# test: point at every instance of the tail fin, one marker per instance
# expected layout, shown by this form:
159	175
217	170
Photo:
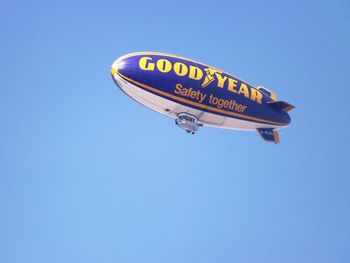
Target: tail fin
269	135
267	92
281	105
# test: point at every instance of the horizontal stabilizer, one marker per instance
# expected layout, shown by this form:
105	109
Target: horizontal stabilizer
269	135
281	105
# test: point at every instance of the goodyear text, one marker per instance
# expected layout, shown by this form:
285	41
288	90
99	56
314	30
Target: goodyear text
207	77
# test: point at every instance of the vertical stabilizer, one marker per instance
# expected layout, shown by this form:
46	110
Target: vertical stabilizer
269	135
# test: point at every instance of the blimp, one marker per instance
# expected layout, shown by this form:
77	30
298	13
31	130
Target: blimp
195	94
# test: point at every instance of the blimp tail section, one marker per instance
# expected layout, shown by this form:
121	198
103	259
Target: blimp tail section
269	135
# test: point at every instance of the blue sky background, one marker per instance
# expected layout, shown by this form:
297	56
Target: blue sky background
88	175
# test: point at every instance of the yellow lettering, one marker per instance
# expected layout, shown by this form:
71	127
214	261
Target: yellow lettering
163	65
232	84
180	69
221	80
256	95
144	65
244	89
195	73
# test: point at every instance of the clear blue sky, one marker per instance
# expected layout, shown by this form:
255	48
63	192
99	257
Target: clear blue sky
88	175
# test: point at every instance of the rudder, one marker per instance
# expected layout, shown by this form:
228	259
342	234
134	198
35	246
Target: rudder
269	135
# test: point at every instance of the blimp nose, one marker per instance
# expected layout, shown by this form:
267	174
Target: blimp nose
114	70
123	66
115	67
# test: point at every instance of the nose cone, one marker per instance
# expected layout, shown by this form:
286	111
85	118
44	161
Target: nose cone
117	65
114	68
119	69
124	66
